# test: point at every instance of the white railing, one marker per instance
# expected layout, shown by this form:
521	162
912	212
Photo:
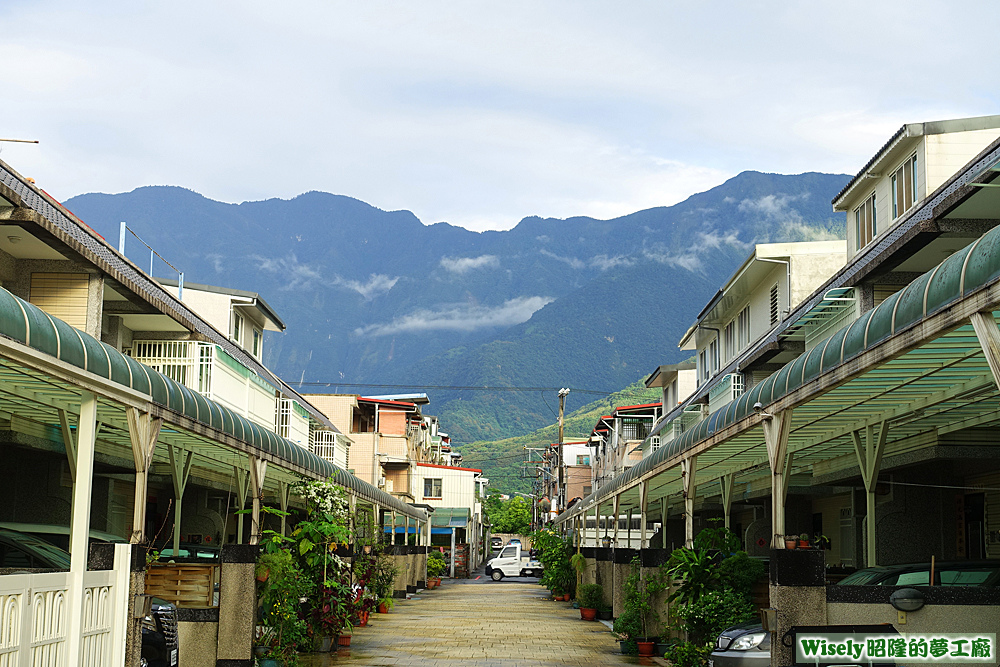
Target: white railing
35	617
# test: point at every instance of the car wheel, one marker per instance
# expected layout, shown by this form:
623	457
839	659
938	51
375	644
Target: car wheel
497	575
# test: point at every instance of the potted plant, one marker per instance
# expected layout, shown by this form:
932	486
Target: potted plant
821	541
435	568
590	597
640	618
804	541
791	541
279	606
604	612
385	604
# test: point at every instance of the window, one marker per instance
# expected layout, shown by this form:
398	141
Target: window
774	304
865	224
730	340
743	328
432	487
258	338
237	333
583	459
904	187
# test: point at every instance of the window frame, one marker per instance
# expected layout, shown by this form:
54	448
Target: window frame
257	342
434	482
908	180
865	226
237	332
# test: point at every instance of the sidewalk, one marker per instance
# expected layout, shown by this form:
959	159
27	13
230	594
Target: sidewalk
496	624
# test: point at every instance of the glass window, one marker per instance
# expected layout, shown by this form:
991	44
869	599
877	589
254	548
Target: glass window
583	460
237	332
432	487
258	338
865	223
508	552
774	304
904	187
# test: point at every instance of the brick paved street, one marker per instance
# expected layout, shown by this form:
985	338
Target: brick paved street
493	624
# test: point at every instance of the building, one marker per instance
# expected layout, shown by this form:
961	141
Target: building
91	437
618	440
879	433
454	495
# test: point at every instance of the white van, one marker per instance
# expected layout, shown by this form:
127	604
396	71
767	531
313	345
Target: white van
511	563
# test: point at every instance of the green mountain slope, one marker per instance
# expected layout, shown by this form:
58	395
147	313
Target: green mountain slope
501	460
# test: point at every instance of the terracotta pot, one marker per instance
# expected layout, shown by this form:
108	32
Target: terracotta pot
565	597
344	640
647	648
803	544
588	614
262	577
383	609
791	544
362	618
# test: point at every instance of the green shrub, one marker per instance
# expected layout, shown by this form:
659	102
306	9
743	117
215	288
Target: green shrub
590	596
436	564
688	654
740	572
627	628
712	613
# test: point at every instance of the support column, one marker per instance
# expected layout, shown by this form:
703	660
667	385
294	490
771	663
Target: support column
143	432
453	559
688	469
242	491
283	490
776	430
618	499
258	470
392	531
663	521
643	491
180	469
870	461
80	523
727	495
989	339
597	526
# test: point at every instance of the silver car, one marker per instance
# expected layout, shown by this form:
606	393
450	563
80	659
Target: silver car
745	645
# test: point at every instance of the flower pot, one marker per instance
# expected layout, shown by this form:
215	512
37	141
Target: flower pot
262	577
383	609
647	648
323	644
565	597
344	640
803	544
605	615
362	618
661	649
791	544
588	614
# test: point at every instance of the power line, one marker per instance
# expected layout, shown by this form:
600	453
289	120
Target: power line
438	386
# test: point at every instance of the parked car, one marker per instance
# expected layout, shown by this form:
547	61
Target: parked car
496	543
748	645
58	535
159	629
23	551
514	540
513	562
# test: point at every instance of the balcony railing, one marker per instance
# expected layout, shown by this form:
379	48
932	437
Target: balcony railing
636	428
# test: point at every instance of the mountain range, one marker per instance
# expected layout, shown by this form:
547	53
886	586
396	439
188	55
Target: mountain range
375	297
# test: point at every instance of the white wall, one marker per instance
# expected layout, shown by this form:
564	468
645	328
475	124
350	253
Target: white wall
457	486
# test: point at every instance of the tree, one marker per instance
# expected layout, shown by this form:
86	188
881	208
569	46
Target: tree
508	516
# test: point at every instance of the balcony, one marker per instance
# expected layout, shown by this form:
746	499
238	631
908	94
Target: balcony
728	389
209	370
635	428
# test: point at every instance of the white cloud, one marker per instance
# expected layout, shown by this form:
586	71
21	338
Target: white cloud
296	275
798	231
460	317
485	112
603	262
461	265
690	257
573	262
773	206
377	283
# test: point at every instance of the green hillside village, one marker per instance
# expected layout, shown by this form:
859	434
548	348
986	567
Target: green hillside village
754	427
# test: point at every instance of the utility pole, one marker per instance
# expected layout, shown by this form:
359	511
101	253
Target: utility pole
561	488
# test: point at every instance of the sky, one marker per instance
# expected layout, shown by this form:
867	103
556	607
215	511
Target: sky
475	113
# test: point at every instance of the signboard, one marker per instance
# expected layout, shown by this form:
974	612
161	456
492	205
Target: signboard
883	645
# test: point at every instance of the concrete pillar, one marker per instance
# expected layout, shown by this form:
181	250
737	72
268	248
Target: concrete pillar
80	523
258	469
237	599
870	461
242	491
689	468
618	498
143	433
776	429
453	559
643	492
727	495
283	490
798	592
180	469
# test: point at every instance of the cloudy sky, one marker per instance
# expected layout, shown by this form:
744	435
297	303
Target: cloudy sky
470	112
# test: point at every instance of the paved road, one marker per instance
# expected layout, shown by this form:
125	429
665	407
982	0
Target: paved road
494	624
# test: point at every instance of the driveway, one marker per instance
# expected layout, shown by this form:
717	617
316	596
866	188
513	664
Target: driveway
491	624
